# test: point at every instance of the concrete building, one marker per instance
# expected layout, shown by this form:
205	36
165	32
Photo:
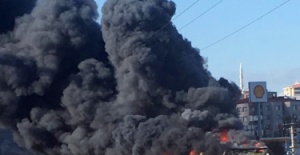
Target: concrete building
292	91
245	94
272	114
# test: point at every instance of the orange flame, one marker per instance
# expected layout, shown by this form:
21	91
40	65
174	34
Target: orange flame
258	144
223	136
193	152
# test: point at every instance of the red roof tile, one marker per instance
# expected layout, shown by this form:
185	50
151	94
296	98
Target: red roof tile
297	85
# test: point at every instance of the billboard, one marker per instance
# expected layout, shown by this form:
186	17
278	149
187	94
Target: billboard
258	92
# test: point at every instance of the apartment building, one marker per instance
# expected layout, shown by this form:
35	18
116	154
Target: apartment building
292	91
272	114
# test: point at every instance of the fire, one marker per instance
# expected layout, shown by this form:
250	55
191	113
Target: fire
223	136
193	152
258	144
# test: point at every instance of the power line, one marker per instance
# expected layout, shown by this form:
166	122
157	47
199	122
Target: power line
245	26
186	25
238	30
185	10
206	11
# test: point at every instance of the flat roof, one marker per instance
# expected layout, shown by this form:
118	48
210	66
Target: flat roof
273	99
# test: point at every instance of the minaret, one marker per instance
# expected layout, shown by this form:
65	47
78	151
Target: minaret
241	78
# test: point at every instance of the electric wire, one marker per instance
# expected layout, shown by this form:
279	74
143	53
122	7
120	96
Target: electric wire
206	11
180	14
245	26
240	29
189	23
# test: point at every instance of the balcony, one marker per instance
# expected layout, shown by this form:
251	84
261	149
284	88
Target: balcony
254	118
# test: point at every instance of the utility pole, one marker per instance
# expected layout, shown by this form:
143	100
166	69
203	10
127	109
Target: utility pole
259	121
292	125
293	146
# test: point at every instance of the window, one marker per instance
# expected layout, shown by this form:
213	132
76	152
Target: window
238	109
252	109
268	117
244	109
295	107
278	117
250	118
255	127
296	93
245	119
277	107
268	108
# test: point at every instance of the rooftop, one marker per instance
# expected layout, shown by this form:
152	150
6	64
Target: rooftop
296	85
273	99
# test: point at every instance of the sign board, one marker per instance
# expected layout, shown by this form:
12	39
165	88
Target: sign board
258	92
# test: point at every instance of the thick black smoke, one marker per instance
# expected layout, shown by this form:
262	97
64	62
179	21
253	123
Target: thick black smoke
10	10
65	91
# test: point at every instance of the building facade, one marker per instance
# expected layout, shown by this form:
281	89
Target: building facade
272	115
292	91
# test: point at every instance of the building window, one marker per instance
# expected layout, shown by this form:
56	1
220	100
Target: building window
252	109
268	126
244	109
295	107
238	109
278	117
268	108
277	107
268	117
245	119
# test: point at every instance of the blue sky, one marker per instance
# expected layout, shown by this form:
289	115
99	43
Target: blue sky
268	49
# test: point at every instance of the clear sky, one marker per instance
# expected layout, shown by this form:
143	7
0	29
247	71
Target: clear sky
268	49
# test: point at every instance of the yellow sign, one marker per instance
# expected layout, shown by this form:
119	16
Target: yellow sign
259	91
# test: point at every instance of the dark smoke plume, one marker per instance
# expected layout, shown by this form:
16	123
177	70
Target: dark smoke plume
66	91
12	9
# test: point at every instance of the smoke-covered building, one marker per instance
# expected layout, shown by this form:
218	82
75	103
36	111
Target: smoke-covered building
272	114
